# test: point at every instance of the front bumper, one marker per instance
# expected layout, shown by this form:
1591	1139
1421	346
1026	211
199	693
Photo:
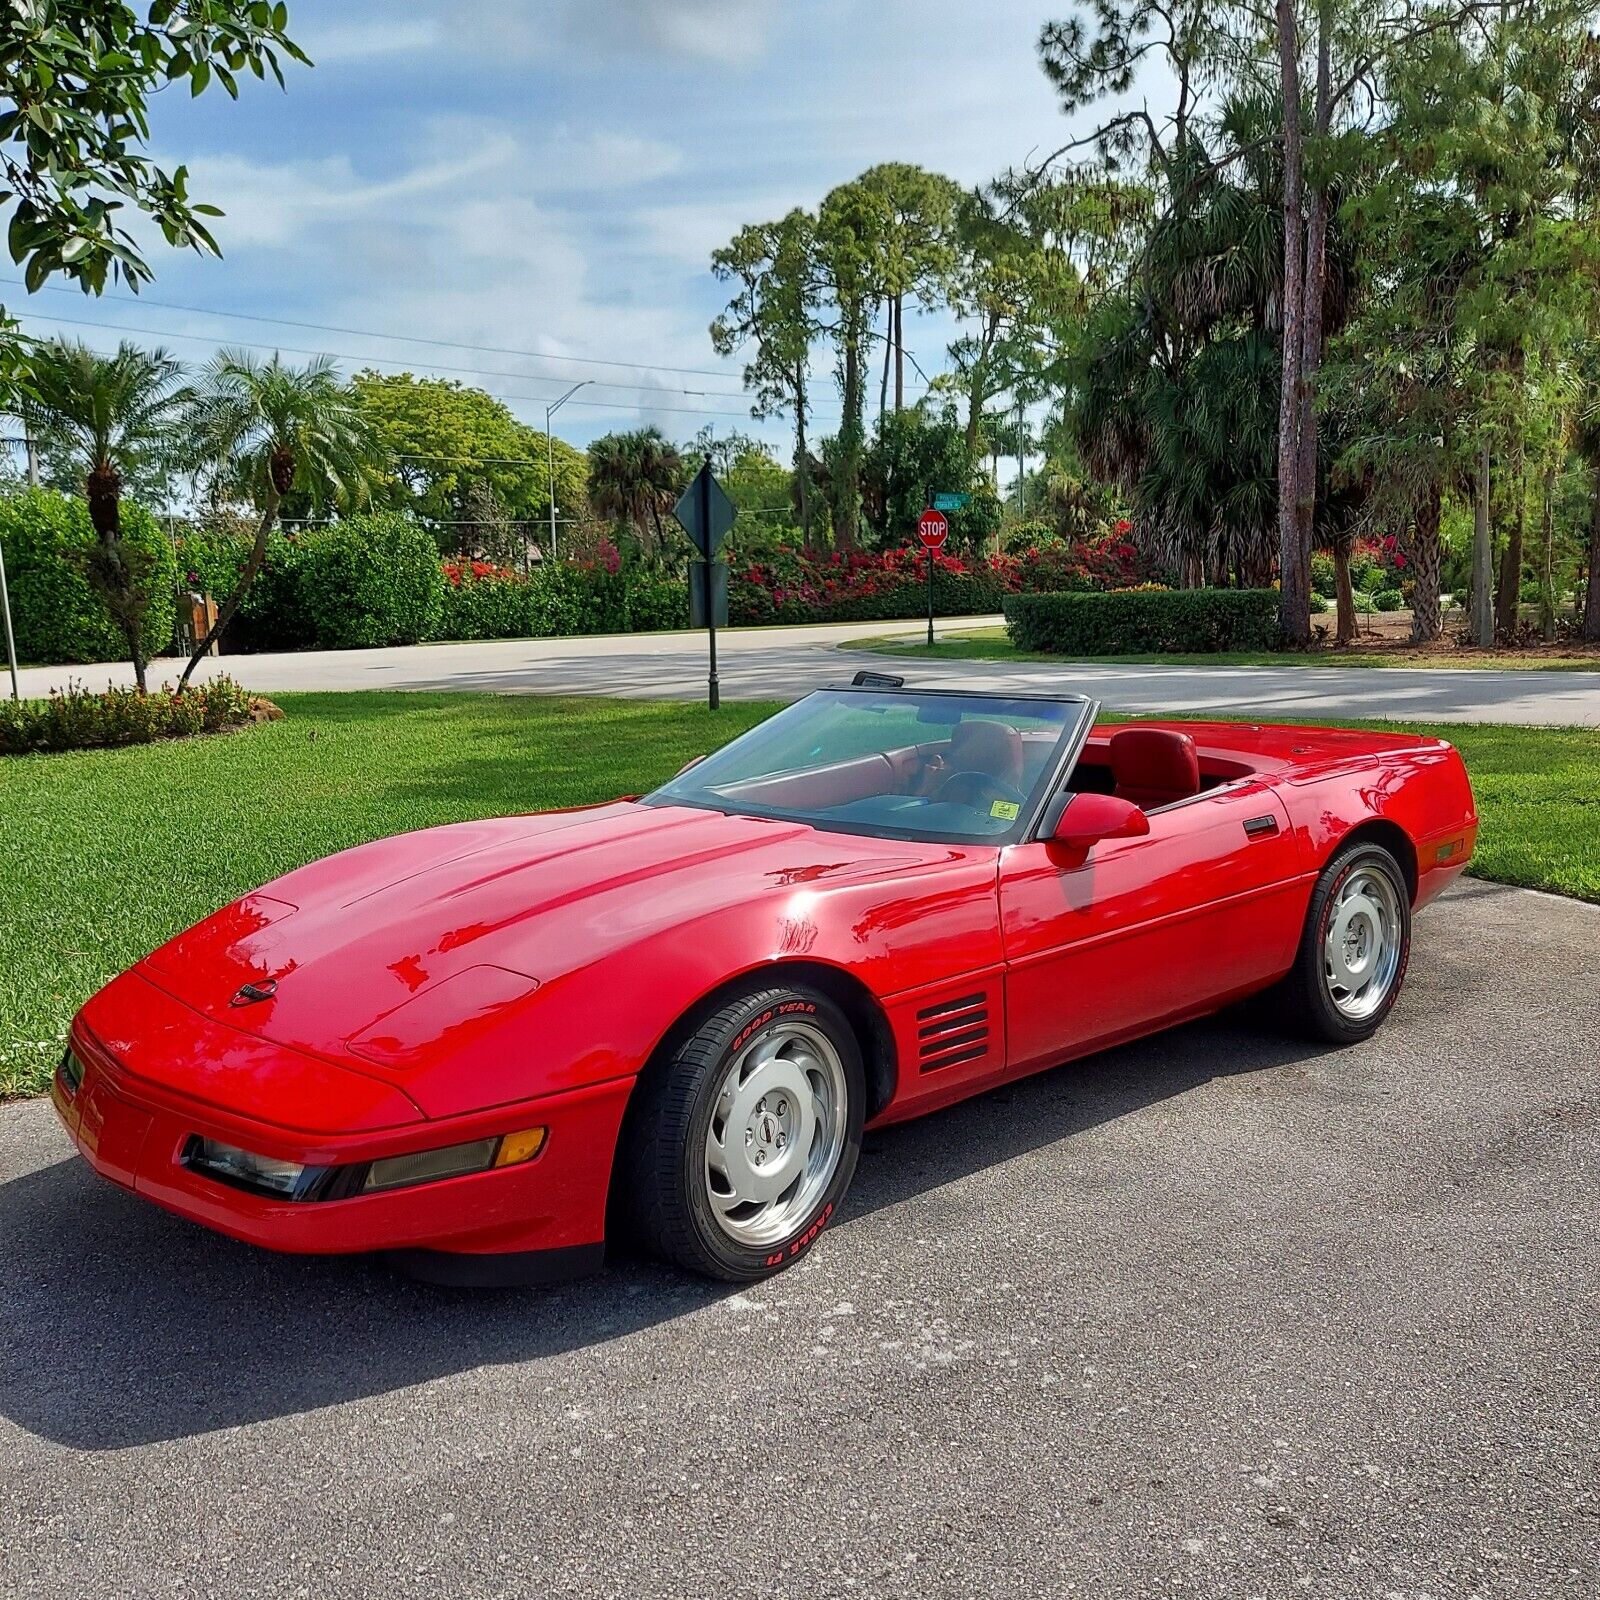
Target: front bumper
135	1132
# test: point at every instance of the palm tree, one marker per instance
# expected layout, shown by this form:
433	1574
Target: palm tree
266	429
635	478
113	415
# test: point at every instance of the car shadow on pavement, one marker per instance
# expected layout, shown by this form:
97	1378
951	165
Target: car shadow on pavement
124	1325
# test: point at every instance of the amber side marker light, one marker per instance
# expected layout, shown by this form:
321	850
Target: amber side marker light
456	1160
519	1147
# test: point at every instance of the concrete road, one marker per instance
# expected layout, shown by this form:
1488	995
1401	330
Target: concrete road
1216	1315
782	663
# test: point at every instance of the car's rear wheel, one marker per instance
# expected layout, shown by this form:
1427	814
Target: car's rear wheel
740	1145
1355	947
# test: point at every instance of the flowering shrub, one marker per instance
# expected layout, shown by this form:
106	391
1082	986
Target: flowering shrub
458	570
487	604
862	587
1375	566
78	719
1394	563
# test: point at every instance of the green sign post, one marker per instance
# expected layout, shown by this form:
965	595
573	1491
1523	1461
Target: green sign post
706	514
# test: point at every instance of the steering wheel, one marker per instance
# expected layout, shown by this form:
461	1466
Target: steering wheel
980	790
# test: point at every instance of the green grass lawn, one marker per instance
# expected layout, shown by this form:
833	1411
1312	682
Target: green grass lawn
991	644
108	853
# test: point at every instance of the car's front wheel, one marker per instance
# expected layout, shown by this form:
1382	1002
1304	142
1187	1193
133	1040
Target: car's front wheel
1355	947
739	1146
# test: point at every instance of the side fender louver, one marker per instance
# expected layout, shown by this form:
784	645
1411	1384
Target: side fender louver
953	1031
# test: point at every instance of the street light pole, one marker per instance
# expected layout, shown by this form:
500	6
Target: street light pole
11	643
550	452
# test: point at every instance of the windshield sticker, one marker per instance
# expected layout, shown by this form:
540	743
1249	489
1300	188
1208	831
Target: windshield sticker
1005	810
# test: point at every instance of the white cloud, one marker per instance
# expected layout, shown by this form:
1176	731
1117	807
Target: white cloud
605	161
360	41
482	247
730	33
688	231
267	203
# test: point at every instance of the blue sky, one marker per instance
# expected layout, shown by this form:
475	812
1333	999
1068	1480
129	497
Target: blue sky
551	176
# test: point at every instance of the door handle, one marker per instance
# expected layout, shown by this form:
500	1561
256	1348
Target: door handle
1260	827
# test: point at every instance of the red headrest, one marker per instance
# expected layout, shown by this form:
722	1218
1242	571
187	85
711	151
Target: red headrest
991	747
1154	766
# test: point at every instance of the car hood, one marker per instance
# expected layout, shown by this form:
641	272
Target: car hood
388	955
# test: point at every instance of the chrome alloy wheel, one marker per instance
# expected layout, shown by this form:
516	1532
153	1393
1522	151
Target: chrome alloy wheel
777	1132
1361	951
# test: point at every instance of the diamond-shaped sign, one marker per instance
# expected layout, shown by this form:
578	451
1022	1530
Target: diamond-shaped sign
705	512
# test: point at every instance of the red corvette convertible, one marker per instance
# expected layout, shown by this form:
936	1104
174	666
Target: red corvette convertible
491	1046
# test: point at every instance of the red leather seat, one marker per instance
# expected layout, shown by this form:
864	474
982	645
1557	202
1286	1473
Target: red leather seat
1154	766
993	748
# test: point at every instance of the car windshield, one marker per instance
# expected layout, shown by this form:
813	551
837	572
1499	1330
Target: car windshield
896	763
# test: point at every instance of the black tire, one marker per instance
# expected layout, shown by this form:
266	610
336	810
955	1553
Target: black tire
661	1192
1306	996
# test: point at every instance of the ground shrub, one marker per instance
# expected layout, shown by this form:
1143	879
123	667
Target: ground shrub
79	719
1322	574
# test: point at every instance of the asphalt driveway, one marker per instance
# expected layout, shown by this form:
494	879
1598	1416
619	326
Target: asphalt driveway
784	663
1216	1315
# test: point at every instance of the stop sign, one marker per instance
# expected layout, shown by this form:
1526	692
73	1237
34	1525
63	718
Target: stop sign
933	529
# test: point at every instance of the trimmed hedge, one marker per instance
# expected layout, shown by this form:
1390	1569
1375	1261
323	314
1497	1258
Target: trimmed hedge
366	580
58	617
371	579
1139	621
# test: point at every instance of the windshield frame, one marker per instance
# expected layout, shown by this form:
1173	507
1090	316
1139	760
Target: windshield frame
1069	746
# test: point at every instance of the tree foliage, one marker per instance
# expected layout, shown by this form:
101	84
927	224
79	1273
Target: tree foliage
457	458
266	429
76	81
635	479
775	312
913	457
